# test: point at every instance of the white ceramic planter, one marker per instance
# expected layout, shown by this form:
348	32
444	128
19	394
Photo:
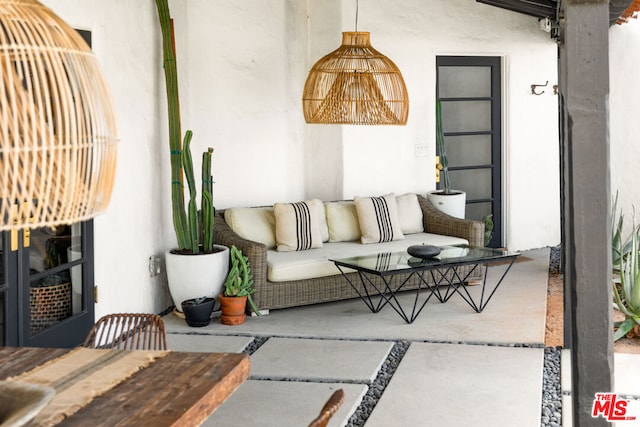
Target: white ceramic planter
452	204
193	276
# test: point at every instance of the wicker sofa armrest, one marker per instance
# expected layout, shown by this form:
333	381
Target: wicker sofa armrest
256	252
438	222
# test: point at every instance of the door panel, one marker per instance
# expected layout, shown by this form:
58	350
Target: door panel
468	150
465	82
466	116
60	312
476	182
469	90
47	282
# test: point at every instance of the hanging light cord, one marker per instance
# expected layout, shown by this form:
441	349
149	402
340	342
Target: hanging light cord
356	16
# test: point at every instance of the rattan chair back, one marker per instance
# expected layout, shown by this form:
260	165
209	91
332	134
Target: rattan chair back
128	331
329	408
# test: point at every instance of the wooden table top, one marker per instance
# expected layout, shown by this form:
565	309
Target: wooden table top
179	389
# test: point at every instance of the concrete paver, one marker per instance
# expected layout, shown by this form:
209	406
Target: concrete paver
283	404
462	385
309	359
207	343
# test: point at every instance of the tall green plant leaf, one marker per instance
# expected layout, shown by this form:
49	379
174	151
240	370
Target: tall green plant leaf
442	149
186	223
173	105
207	201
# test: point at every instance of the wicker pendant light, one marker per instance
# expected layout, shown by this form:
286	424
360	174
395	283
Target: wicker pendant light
355	84
57	127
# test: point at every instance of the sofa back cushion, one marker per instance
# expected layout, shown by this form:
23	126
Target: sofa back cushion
256	224
409	214
298	225
342	221
378	218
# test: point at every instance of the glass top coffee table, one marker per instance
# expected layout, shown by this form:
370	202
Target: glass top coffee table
447	277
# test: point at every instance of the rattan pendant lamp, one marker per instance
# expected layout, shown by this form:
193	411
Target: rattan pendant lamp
355	84
57	126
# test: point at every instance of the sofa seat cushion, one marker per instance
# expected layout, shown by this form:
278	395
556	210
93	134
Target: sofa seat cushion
285	266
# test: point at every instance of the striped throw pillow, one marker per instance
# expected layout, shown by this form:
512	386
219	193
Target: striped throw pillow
378	218
297	225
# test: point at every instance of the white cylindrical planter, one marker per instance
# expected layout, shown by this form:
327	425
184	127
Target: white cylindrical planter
194	276
452	204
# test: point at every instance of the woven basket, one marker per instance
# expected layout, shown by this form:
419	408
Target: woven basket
49	305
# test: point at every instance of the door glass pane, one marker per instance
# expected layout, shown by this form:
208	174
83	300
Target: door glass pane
476	182
55	291
464	82
468	150
477	211
466	116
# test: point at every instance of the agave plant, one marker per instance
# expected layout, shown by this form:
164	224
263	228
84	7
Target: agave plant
187	224
619	247
626	290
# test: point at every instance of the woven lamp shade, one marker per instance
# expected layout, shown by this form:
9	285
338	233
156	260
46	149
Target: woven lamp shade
57	127
355	84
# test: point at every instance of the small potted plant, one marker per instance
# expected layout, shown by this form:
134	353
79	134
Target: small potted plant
237	290
197	311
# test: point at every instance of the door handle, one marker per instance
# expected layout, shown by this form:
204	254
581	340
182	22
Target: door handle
26	232
14	231
438	168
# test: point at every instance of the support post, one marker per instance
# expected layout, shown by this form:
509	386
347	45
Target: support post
584	78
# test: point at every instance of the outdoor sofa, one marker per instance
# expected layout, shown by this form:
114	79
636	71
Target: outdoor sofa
288	275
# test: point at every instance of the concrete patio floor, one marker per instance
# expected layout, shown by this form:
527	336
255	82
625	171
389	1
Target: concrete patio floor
458	367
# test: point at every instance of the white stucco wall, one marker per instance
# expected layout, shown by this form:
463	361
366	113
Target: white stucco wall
624	103
125	38
242	66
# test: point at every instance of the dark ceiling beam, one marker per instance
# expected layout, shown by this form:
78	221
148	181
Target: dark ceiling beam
537	8
617	8
548	8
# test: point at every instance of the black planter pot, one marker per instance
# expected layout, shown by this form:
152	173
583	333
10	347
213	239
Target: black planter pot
197	311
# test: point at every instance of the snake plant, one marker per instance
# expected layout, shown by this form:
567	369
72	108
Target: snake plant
188	225
626	289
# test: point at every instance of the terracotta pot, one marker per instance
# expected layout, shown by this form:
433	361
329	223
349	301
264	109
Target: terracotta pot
233	310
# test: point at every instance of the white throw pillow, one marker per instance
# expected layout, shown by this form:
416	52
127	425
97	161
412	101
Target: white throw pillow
342	220
409	214
322	219
378	218
256	224
297	226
